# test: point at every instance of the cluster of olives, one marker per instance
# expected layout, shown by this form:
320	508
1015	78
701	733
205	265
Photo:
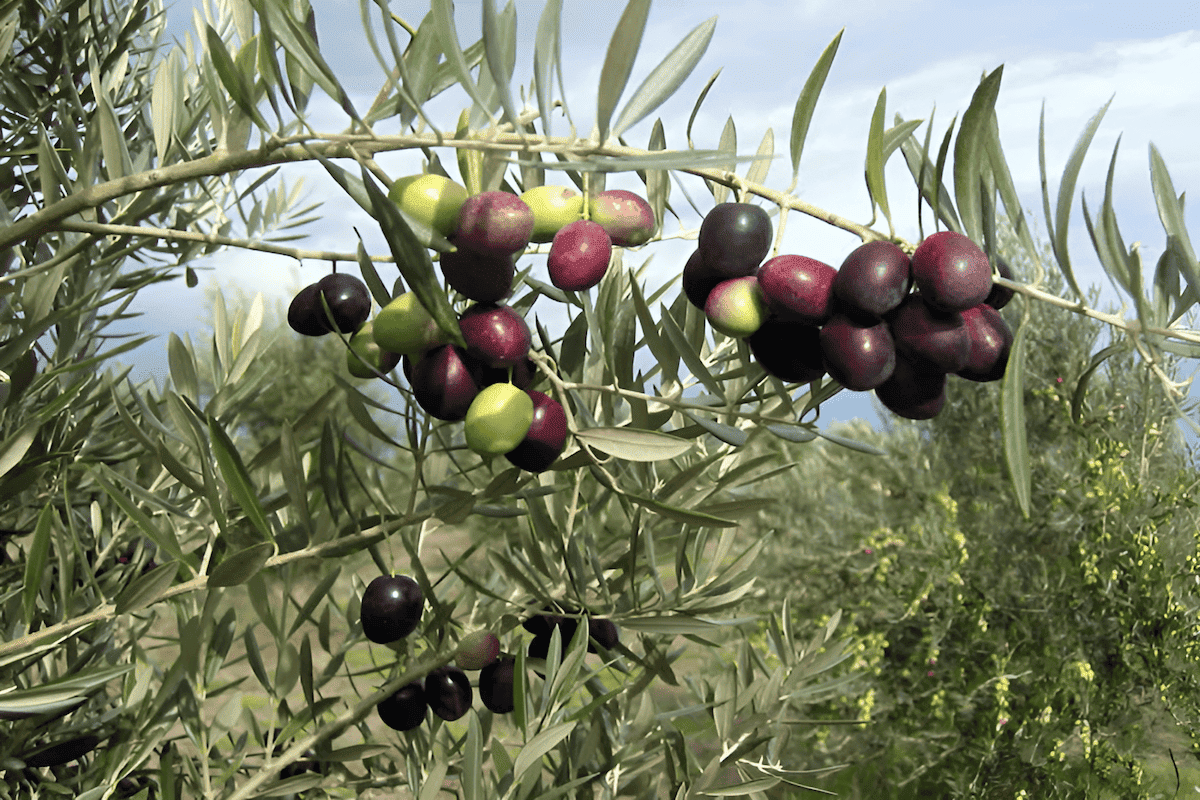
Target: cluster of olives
884	321
487	384
391	609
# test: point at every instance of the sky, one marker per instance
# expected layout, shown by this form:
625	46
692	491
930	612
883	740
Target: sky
1066	58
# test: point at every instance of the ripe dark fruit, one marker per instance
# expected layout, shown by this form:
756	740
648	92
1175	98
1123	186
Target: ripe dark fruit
579	256
305	314
448	692
791	351
62	752
698	280
798	288
494	224
482	278
628	218
391	608
546	437
915	390
874	278
496	685
734	238
443	383
604	633
539	647
991	340
523	374
859	354
495	335
923	333
405	709
951	272
348	299
476	650
999	296
736	307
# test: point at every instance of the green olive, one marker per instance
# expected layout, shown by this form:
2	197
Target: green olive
433	200
554	207
498	419
404	326
364	348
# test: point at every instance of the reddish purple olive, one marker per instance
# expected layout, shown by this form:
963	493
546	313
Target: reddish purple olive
579	256
405	709
524	373
859	354
923	333
951	272
391	608
874	278
348	299
496	685
304	314
991	340
494	224
628	218
444	383
496	336
546	438
734	238
448	692
798	288
482	278
791	351
914	391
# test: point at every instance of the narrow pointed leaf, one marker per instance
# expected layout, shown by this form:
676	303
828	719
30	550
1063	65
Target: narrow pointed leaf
631	444
665	79
1012	421
443	17
546	58
35	563
807	102
876	158
233	470
1066	194
970	154
541	744
618	62
237	568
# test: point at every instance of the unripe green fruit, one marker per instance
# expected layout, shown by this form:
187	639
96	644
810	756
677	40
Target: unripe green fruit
364	348
433	200
498	419
553	207
404	326
736	307
476	650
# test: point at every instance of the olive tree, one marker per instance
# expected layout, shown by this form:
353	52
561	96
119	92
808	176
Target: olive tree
182	613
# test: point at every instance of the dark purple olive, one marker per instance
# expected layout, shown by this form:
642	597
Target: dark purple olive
405	709
391	608
448	692
496	685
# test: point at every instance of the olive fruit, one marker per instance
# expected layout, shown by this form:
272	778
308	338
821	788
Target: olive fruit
495	223
482	278
791	351
698	280
915	390
365	357
626	217
924	333
443	383
432	200
999	296
859	353
951	272
602	633
734	238
579	256
61	752
391	608
798	288
496	685
476	650
404	326
448	692
405	709
547	435
736	307
874	278
496	335
348	300
991	340
498	419
553	207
